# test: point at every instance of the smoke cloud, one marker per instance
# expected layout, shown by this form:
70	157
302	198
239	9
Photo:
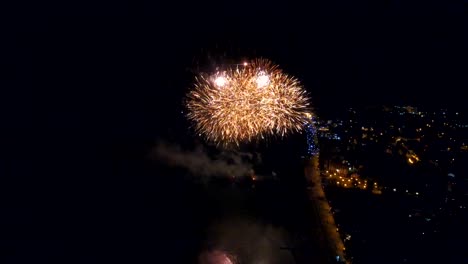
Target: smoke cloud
248	241
198	162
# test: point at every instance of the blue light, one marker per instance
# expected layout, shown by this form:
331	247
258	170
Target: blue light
311	134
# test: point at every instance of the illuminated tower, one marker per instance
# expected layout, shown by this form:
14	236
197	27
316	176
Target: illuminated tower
311	134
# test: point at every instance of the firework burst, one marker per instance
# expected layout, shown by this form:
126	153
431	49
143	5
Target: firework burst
244	103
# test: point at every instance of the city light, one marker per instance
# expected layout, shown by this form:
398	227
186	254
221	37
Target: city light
408	143
311	136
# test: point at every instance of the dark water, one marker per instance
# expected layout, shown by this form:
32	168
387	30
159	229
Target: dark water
111	202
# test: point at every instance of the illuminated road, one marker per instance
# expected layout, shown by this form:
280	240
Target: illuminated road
322	209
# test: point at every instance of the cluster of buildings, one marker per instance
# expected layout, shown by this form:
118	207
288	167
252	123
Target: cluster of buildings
438	138
401	153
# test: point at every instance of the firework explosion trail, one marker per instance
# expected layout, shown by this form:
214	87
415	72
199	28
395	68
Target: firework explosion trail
242	104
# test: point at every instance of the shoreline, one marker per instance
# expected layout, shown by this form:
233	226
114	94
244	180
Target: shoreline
322	208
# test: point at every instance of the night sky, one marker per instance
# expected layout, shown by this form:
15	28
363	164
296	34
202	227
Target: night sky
84	84
367	53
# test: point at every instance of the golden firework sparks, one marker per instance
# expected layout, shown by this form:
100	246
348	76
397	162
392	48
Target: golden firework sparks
242	104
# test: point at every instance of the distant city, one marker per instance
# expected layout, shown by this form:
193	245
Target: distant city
404	163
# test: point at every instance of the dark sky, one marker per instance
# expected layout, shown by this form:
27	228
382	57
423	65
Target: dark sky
360	53
102	70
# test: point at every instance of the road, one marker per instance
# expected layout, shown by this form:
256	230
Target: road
322	209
